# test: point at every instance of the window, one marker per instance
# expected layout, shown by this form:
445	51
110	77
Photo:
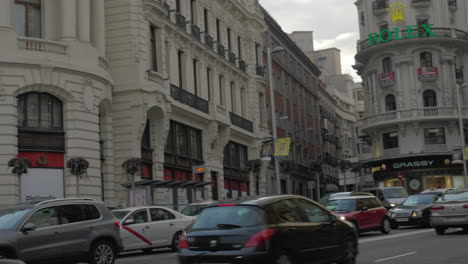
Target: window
422	21
387	64
229	39
426	59
257	53
193	11
147	153
284	212
184	141
390	103
313	213
77	213
235	155
160	215
218	30
242	101
429	98
363	203
390	140
221	90
180	61
233	97
363	19
28	18
139	217
195	77
375	203
239	47
208	82
207	23
39	111
365	148
178	7
385	35
261	104
46	217
153	49
434	136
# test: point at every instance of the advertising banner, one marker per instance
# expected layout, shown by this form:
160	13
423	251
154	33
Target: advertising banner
41	184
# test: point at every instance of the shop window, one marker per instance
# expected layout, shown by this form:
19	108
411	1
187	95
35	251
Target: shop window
387	64
28	18
429	98
390	140
235	156
426	59
184	141
434	136
390	103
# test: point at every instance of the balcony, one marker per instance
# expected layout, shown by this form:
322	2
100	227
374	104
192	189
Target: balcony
260	70
209	41
380	7
242	65
459	76
189	99
180	21
421	3
452	5
241	122
428	74
232	57
220	49
196	32
41	45
387	79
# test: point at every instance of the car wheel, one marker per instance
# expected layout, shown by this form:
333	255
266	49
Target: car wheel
283	258
102	252
350	254
440	230
175	241
385	227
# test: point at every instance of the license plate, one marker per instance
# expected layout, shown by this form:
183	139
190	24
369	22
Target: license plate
402	219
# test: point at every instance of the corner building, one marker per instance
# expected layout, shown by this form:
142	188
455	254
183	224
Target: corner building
410	85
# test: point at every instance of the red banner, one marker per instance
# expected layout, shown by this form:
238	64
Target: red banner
147	172
244	186
44	159
168	176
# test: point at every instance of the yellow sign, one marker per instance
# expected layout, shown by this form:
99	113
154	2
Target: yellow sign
282	146
397	12
465	153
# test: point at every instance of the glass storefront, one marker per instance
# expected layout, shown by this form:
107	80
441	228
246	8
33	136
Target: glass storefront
427	182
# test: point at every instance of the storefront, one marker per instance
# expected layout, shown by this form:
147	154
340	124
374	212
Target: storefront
418	173
236	179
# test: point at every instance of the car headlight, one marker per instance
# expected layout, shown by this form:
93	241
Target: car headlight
392	205
416	213
343	218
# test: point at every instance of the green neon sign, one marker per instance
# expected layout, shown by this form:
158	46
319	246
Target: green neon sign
414	31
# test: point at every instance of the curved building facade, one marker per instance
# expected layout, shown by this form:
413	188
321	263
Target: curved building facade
411	58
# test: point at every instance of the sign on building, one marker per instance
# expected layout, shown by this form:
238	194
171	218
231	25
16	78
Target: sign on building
42	184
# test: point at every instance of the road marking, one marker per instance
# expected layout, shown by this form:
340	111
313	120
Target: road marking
399	256
372	239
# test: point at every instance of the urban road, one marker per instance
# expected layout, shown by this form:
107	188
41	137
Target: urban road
403	246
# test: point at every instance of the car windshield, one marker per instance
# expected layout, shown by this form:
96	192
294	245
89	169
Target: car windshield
227	217
342	205
395	193
10	217
193	210
120	214
419	200
455	196
336	195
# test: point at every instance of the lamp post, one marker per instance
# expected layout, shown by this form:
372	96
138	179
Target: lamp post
462	134
273	115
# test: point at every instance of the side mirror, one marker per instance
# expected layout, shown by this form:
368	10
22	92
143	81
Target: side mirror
364	209
129	222
28	227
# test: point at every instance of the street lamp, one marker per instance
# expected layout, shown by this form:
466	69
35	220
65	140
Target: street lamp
462	134
273	115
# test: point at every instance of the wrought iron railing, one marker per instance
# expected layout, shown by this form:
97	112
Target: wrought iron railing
189	99
241	122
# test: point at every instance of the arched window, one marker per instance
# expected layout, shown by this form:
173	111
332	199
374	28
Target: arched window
39	111
387	64
426	59
390	103
429	98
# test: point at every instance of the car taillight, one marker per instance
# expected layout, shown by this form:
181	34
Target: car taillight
183	243
117	224
465	206
437	207
260	238
226	205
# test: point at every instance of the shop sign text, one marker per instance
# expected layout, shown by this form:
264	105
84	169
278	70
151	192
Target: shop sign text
414	31
423	163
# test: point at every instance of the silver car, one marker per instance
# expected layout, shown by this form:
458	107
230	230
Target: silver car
64	230
450	211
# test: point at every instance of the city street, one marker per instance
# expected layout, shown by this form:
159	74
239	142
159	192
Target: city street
405	246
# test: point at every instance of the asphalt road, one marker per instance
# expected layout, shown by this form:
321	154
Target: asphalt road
404	246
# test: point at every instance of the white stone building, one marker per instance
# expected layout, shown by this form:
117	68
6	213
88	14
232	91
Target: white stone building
411	59
55	98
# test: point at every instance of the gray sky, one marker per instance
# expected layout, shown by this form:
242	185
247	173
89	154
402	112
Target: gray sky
334	23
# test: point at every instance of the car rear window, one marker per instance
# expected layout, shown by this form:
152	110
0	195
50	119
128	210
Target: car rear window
230	217
342	205
120	214
455	196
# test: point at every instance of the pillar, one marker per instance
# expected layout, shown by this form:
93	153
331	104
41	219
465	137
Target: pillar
98	23
6	11
84	20
68	8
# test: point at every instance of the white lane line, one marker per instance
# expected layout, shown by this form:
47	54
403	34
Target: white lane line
372	239
399	256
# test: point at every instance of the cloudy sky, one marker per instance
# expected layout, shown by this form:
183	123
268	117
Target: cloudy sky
334	23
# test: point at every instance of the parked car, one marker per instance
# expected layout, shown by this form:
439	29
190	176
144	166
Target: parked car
265	230
63	230
364	212
146	228
194	209
415	210
438	191
450	211
389	196
329	196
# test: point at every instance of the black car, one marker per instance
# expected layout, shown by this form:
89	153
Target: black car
268	230
415	210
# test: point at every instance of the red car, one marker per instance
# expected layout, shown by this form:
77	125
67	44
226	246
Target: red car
365	212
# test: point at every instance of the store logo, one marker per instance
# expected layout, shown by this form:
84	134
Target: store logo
397	12
423	163
42	160
414	31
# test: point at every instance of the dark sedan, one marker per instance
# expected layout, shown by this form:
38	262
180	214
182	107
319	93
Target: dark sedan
415	210
269	230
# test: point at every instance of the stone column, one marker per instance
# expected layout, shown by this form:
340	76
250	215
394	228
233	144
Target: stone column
84	20
68	8
6	17
98	26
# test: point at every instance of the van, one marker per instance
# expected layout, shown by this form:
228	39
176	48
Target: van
389	196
